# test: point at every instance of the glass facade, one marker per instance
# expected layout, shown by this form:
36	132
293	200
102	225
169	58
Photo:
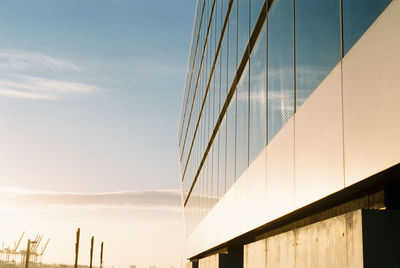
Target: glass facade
358	15
280	65
258	96
317	43
226	123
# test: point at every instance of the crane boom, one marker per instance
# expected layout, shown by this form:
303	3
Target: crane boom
19	241
45	246
37	244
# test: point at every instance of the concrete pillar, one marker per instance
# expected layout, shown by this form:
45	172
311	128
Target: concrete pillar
362	238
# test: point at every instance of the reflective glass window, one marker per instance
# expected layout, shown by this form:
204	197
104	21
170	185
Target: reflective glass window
317	43
280	65
255	9
230	143
202	192
243	26
214	99
258	96
224	5
224	68
242	129
218	21
217	90
209	180
222	158
208	118
215	170
232	44
358	15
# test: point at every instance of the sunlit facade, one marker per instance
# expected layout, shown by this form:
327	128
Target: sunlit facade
286	102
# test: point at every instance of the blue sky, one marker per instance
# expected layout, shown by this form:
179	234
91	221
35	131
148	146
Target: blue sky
90	93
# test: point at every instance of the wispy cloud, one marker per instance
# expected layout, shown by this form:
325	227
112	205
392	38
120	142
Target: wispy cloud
19	76
18	60
30	87
14	198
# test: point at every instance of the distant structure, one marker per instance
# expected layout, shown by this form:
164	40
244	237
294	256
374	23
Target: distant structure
289	143
33	254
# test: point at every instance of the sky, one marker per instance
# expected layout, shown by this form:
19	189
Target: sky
90	95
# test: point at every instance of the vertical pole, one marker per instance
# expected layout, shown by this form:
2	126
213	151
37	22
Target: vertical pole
78	233
91	252
28	248
101	255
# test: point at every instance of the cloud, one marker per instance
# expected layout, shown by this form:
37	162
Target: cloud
25	75
31	87
18	60
14	198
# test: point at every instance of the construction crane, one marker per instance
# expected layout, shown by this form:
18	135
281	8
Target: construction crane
35	247
43	249
14	250
19	241
11	255
32	249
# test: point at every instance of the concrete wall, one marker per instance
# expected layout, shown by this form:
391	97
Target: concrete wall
335	242
347	130
362	238
209	262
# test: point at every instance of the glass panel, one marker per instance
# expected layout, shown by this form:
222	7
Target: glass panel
232	44
208	119
202	193
217	18
358	15
255	10
224	68
224	5
209	181
258	97
230	143
211	54
280	65
222	159
317	44
242	129
215	171
243	26
217	88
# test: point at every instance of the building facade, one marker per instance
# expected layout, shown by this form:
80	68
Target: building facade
290	118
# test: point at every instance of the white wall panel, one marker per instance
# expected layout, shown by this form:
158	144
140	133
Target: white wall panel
280	172
371	91
319	142
240	202
256	191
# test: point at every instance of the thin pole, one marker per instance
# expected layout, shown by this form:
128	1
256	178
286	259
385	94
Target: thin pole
78	233
28	248
91	252
101	255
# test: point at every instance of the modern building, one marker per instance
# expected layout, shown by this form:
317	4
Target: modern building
289	138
